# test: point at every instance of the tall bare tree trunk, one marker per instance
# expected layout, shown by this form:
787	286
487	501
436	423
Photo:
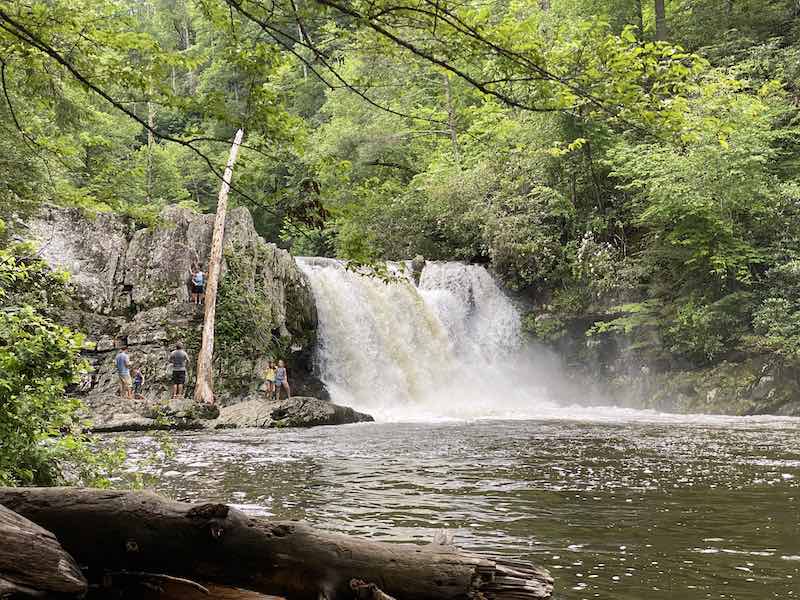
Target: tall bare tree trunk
301	33
451	118
639	18
151	140
661	21
204	388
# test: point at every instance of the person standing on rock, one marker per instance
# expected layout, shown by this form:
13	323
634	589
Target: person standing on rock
198	285
123	365
178	359
138	383
269	375
281	381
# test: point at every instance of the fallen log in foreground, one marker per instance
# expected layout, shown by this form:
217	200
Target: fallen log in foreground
32	563
141	532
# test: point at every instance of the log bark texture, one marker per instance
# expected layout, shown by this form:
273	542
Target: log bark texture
204	386
33	563
135	531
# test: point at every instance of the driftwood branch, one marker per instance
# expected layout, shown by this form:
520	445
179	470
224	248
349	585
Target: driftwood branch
133	531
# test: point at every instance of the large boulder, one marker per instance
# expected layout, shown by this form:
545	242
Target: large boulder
297	411
110	413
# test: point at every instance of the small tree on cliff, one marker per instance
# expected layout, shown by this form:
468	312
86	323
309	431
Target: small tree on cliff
204	388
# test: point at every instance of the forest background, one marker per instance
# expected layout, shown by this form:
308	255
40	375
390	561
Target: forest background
626	166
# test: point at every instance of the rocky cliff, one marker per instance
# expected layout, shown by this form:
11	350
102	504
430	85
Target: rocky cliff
131	286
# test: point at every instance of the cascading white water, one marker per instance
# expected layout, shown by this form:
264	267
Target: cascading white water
450	348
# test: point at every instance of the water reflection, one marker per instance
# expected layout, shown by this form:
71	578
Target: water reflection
629	511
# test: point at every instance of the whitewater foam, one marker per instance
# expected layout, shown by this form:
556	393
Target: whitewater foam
450	348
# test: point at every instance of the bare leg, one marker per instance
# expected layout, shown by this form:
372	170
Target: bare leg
174	390
288	390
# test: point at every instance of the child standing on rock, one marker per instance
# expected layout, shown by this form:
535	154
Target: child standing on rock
138	383
281	381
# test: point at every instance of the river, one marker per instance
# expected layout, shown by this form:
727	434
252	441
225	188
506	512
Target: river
620	505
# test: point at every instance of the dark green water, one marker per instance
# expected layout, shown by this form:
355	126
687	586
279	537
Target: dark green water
629	507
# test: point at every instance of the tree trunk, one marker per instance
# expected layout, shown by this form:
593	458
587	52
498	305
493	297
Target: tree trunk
140	532
639	18
661	21
151	140
204	386
544	4
33	563
451	119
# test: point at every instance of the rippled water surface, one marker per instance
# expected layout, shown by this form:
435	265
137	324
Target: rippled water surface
643	509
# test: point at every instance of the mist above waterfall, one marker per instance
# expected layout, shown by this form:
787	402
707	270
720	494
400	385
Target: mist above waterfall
450	348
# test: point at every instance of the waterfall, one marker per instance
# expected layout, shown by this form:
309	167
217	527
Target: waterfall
451	347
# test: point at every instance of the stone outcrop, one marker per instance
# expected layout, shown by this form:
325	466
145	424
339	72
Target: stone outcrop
108	413
293	412
131	286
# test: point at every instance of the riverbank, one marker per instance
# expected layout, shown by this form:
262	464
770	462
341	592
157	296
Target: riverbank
109	414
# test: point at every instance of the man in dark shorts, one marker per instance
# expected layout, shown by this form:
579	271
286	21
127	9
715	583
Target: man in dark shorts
178	359
198	286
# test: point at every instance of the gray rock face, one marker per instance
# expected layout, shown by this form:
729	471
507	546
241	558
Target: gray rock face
294	412
133	287
93	249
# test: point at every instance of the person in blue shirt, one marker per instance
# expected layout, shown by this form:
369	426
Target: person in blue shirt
198	285
123	366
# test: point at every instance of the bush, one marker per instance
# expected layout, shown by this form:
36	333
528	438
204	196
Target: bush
40	438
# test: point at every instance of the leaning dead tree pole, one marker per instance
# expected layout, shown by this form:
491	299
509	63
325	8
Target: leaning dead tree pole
204	388
109	531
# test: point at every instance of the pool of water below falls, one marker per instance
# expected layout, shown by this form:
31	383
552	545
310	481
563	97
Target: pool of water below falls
642	508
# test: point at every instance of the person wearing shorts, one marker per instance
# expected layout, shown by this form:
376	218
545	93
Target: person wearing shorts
123	366
269	376
178	359
198	286
281	381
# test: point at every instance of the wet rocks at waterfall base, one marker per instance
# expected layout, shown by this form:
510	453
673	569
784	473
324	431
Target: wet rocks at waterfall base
114	414
293	412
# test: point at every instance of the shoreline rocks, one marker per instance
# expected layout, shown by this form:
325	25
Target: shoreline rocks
111	414
298	411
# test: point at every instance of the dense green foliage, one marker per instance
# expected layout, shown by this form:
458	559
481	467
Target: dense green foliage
40	432
624	184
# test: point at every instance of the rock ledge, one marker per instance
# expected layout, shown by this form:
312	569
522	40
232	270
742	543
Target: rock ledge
299	411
